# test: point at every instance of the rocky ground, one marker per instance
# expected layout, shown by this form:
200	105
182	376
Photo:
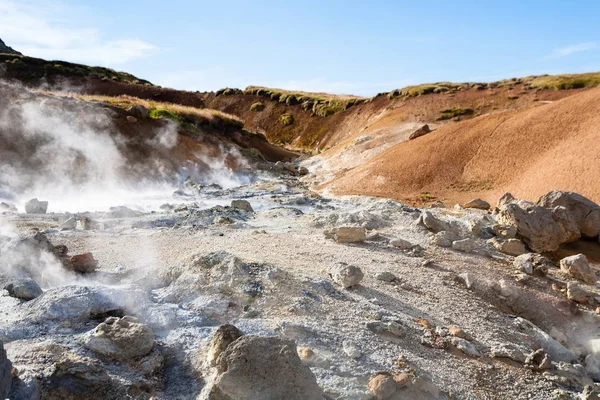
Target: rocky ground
284	293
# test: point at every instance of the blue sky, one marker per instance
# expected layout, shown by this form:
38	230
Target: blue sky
335	46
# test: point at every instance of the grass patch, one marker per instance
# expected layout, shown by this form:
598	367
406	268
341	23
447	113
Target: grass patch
455	113
565	82
228	92
30	69
258	106
182	114
286	119
320	104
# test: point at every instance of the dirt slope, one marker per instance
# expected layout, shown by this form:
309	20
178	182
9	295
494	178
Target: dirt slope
526	152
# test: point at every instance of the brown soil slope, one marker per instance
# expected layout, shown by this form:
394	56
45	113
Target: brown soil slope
526	152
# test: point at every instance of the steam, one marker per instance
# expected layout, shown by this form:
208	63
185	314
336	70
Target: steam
71	154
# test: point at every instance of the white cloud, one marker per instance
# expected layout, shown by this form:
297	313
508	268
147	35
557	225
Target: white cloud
36	30
576	48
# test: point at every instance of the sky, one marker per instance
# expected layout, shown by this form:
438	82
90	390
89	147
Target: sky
350	47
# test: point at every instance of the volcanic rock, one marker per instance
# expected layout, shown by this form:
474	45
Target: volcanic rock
577	266
512	247
543	229
34	206
533	264
262	368
585	211
424	130
579	294
222	338
242	205
120	338
347	234
465	245
5	373
401	244
26	289
345	275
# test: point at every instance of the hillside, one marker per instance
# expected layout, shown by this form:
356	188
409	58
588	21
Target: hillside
6	49
527	152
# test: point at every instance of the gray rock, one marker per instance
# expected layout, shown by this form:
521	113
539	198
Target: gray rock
538	360
390	328
139	111
262	368
541	228
445	238
578	267
34	206
123	212
7	207
464	245
505	231
433	223
345	275
585	211
302	171
477	203
5	373
424	130
401	244
221	339
385	276
242	205
26	289
120	338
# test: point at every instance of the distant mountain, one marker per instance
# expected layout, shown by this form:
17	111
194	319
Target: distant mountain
7	50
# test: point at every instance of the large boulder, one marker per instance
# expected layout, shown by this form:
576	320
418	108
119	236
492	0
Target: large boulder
542	229
120	338
34	206
5	373
262	368
347	234
243	205
585	212
577	266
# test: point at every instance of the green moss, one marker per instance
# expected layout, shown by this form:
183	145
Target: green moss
258	106
158	113
286	119
456	112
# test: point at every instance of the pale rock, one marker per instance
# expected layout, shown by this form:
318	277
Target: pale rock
34	206
345	275
392	328
505	231
351	350
68	224
262	368
221	339
465	245
5	373
347	234
385	276
542	229
551	346
578	267
512	247
383	386
120	338
585	211
445	238
433	223
532	264
592	366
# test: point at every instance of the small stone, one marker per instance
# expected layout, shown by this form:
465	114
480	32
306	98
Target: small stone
466	347
391	328
351	350
34	206
385	276
402	380
401	244
345	275
383	386
242	205
464	245
444	238
477	203
433	223
424	323
538	360
532	264
83	263
25	289
305	353
578	267
302	171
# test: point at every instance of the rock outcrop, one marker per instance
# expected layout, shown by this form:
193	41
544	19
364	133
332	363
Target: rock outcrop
585	212
6	49
34	206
